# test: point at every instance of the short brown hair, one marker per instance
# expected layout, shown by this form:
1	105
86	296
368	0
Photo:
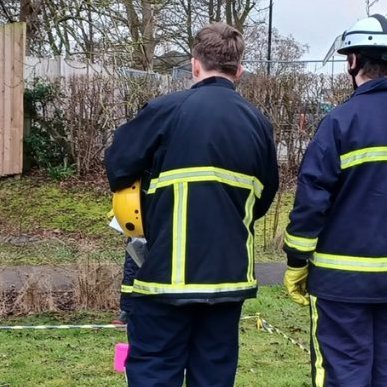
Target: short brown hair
371	62
220	47
374	69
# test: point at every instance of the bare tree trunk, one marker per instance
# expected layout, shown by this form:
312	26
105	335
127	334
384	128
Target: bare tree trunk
189	26
28	14
218	16
90	39
211	11
240	13
148	38
215	10
229	12
142	33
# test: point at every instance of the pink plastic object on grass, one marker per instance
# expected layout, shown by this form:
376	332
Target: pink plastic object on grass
121	353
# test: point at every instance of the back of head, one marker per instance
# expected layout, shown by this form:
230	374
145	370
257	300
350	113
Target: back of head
219	47
367	39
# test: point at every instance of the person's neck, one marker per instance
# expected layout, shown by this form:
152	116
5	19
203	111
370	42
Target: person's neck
361	79
209	74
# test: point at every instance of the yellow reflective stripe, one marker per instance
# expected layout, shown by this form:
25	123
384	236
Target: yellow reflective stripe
198	174
180	178
320	371
299	243
126	289
350	263
160	288
179	233
250	237
365	155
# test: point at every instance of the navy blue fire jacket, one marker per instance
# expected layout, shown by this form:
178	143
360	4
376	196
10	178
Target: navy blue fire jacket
214	171
130	273
339	220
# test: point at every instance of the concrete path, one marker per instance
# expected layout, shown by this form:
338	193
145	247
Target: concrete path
54	277
270	273
63	277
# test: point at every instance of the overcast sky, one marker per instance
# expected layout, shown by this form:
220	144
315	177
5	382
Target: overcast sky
318	22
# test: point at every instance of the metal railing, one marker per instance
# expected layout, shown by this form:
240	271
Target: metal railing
277	67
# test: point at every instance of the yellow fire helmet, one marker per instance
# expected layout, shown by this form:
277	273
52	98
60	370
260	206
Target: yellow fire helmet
127	210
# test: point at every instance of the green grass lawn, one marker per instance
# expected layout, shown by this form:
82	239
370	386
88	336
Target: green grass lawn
32	204
47	222
84	358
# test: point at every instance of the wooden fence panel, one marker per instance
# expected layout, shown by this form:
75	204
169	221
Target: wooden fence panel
12	52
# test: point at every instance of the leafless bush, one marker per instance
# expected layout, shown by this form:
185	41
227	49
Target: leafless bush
3	303
95	107
340	89
79	115
91	286
96	286
35	296
295	103
291	101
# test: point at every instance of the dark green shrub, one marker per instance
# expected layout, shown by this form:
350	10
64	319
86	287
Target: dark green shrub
45	144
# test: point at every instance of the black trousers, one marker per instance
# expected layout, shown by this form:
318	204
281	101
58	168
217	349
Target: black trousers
349	344
198	341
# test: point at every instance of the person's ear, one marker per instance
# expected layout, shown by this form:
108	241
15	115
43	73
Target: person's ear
196	68
240	71
352	61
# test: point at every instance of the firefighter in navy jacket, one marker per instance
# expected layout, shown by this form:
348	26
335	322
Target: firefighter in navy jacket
214	172
336	241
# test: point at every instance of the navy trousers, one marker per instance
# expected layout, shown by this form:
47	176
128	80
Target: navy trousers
198	341
349	344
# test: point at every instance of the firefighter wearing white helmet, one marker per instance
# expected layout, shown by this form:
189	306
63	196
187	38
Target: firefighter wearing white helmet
365	42
336	241
368	34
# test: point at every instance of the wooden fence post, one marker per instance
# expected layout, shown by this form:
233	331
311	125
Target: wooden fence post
12	53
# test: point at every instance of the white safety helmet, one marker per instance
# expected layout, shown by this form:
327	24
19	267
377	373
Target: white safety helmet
367	36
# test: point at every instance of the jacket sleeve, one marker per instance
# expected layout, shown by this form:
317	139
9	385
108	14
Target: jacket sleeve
269	176
130	270
133	148
317	181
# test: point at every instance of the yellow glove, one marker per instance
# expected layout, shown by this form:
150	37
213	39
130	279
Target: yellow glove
295	283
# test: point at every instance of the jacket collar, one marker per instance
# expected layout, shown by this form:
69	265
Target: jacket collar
375	85
214	81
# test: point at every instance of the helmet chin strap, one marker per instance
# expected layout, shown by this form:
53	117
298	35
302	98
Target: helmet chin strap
353	74
355	70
